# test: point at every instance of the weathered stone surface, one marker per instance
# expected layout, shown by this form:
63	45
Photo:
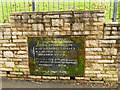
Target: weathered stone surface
104	75
93	49
25	17
20	40
8	54
93	57
7	33
22	52
92	72
64	78
110	51
57	22
10	44
34	26
30	21
9	64
97	67
78	26
40	27
91	43
1	35
107	41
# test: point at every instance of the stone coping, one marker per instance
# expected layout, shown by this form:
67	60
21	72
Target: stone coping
112	23
57	12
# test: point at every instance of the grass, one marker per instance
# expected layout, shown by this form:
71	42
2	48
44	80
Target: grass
22	6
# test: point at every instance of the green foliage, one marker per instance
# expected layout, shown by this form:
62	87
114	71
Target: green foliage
100	4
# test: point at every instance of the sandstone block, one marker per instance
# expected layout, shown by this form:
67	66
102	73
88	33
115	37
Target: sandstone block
92	43
105	61
104	75
92	72
16	33
20	40
97	67
6	69
22	52
64	78
10	44
93	49
7	33
100	14
107	41
8	54
9	64
30	21
48	77
109	51
1	35
57	22
93	57
78	26
56	33
40	27
107	28
25	17
7	37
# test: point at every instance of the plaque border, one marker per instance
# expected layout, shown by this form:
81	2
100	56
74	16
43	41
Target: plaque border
84	36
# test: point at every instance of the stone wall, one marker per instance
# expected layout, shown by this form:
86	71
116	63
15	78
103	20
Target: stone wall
102	41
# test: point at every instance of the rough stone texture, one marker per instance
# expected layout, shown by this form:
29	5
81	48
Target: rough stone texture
101	41
57	22
9	64
8	54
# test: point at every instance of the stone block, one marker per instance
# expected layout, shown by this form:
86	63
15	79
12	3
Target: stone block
8	54
19	40
105	61
25	17
78	26
92	43
1	35
21	66
22	52
10	44
9	64
16	33
16	73
110	51
64	78
7	37
57	22
7	33
93	57
97	66
101	19
34	26
107	41
114	28
92	72
30	21
93	49
104	75
56	33
49	77
100	14
6	69
40	27
107	28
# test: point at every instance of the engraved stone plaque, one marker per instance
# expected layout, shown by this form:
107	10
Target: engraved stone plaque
58	55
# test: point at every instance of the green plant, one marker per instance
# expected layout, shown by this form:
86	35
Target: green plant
100	4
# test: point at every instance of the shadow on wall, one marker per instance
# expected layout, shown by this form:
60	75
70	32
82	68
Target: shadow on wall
119	10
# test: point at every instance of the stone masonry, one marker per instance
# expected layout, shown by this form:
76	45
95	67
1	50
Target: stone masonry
101	50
